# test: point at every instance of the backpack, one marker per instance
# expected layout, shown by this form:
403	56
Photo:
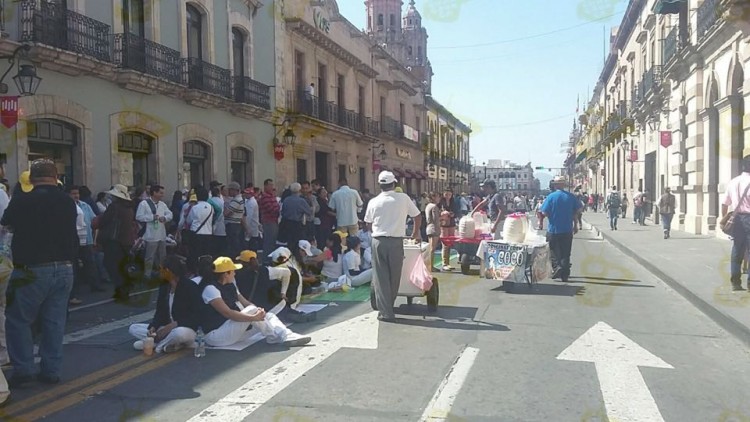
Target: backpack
614	201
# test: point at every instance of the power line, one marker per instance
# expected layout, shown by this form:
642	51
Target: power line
509	55
536	122
528	37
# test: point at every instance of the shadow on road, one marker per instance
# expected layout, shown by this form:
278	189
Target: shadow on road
613	284
446	317
468	325
541	289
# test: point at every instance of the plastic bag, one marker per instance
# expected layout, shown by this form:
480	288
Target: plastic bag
420	276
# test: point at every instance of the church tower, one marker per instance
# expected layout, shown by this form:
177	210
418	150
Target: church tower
415	46
384	24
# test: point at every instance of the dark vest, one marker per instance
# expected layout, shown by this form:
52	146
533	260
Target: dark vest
212	319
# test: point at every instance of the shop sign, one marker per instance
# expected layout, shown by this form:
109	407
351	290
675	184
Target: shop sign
403	153
321	22
633	155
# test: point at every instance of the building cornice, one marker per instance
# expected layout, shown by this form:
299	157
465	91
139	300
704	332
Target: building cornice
310	33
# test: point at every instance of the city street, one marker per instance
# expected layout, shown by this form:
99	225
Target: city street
487	355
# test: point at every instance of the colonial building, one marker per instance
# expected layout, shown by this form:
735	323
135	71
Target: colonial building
353	107
509	177
671	106
134	91
447	144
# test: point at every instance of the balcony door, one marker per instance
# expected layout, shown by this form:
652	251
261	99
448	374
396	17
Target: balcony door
53	17
194	33
238	62
323	91
134	18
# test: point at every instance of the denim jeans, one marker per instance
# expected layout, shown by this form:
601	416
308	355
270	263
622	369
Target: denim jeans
614	213
740	241
666	222
560	245
38	292
637	214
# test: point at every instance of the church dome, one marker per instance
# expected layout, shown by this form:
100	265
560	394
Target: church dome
412	17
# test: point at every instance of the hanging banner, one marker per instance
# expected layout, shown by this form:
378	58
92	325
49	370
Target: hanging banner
375	165
278	152
666	138
633	155
9	111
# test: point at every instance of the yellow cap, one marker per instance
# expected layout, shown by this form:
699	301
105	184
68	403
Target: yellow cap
246	256
398	189
223	264
193	198
25	181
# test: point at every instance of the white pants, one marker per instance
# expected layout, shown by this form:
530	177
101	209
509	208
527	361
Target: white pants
155	253
233	331
179	335
362	278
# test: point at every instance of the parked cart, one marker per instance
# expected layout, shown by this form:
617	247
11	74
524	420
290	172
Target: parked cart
412	255
466	249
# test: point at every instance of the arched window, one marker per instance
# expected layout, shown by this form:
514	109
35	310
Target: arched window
238	51
142	162
58	140
194	32
242	166
196	163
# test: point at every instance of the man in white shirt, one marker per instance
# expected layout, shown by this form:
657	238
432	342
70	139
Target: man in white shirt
6	269
252	220
387	214
154	214
200	221
738	199
346	202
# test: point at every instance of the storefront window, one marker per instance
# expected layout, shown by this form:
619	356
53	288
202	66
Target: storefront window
242	166
195	166
137	164
55	140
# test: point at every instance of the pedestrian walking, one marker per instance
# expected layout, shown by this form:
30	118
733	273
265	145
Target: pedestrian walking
44	246
387	213
624	205
738	201
562	209
613	204
345	202
666	209
637	207
84	267
116	236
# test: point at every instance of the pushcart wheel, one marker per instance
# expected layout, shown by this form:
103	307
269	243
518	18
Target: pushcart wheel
373	303
433	296
465	261
409	300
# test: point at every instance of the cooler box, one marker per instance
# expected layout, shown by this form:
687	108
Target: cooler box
413	253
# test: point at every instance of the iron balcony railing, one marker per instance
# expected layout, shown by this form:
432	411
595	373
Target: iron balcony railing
670	46
708	15
372	127
392	127
329	112
2	16
351	120
250	91
137	53
54	25
208	77
650	80
303	103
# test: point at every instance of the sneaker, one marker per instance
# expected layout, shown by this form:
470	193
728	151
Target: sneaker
737	287
19	380
138	345
172	347
447	268
294	339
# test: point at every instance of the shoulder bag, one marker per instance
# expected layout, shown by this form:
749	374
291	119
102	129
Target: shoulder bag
727	222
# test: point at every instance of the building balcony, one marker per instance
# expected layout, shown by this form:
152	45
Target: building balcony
708	15
136	53
207	77
54	25
392	127
250	91
311	106
650	82
372	127
670	46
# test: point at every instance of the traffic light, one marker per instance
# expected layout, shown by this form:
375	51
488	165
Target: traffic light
539	168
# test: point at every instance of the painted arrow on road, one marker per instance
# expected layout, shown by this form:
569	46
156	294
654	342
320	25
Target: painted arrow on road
357	333
617	358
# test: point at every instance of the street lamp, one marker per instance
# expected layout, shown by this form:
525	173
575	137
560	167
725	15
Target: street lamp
289	136
26	79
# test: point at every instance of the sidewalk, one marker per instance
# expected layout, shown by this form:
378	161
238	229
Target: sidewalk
696	266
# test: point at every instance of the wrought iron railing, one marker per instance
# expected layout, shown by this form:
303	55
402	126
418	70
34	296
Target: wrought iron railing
351	120
372	127
670	46
54	25
208	77
392	127
651	79
250	91
137	53
303	103
708	15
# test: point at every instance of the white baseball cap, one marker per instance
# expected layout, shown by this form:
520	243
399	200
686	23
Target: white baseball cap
306	246
386	178
280	253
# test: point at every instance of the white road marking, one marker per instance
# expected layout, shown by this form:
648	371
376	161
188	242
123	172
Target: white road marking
617	358
442	402
360	332
106	327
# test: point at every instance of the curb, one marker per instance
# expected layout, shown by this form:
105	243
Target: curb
728	323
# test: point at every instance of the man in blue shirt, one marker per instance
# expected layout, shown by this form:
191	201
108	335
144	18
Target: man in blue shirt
561	209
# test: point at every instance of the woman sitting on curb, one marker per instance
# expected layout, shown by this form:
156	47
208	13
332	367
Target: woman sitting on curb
177	309
228	315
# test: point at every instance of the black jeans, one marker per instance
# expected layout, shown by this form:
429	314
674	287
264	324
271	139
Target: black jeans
85	271
114	261
560	245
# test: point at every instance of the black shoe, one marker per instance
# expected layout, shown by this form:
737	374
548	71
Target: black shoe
737	287
121	295
17	381
556	274
385	319
48	379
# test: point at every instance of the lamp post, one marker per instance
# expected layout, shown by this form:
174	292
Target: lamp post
25	79
376	166
626	147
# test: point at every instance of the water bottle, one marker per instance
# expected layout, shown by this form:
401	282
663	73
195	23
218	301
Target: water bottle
200	344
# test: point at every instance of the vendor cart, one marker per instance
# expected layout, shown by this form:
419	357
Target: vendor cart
412	255
466	249
515	263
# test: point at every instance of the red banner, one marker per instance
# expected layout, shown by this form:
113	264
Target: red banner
375	165
9	111
666	138
278	152
633	155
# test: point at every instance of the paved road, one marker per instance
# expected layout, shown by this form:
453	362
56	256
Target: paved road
514	375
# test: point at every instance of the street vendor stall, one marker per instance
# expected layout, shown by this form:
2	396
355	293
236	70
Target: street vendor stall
416	276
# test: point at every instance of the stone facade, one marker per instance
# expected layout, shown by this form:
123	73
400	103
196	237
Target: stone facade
126	111
671	106
448	146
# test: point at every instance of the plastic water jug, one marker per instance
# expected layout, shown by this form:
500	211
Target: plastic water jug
515	227
466	227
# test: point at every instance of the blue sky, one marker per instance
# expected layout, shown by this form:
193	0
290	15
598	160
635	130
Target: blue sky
504	88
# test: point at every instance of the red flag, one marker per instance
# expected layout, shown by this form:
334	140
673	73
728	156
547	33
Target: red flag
666	138
9	111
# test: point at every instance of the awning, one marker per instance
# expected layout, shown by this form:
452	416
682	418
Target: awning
421	175
581	156
398	172
668	7
411	174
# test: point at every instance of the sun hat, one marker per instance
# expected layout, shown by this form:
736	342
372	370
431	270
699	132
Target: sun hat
559	179
246	256
25	181
223	264
120	191
233	186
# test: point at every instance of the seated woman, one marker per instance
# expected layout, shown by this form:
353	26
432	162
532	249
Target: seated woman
260	284
228	314
353	263
177	308
332	259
